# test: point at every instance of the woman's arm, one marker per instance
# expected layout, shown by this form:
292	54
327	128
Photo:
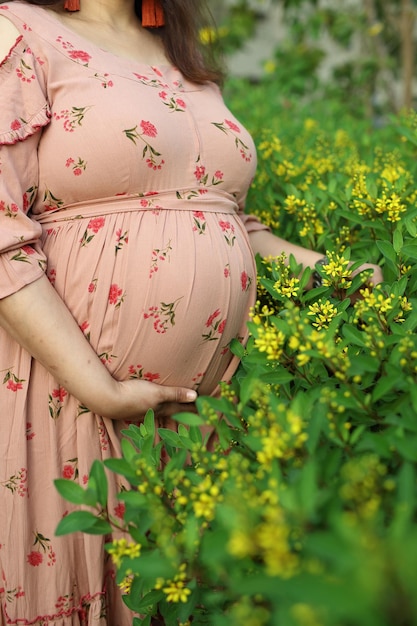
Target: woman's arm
38	319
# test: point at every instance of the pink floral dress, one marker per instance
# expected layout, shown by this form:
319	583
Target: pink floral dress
123	182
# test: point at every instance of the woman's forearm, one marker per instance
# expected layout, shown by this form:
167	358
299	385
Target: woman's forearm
266	244
38	319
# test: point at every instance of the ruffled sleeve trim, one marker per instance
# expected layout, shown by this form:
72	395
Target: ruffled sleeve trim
23	101
20	130
16	43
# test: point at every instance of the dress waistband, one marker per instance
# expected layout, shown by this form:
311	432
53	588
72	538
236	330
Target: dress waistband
207	201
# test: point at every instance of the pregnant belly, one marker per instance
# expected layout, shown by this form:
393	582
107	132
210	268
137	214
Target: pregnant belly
159	295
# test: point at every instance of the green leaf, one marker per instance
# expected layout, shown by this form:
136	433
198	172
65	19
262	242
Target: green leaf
353	335
236	348
387	250
171	437
69	490
128	450
76	521
101	486
409	250
191	419
150	599
398	240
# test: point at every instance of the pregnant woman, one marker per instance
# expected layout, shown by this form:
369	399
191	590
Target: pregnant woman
126	267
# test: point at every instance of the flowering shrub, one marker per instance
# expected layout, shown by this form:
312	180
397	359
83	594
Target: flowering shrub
304	514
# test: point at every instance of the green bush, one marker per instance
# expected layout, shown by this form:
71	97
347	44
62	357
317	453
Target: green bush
304	514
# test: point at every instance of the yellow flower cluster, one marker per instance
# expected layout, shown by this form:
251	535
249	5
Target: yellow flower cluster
121	548
270	340
391	206
337	273
283	438
247	611
364	479
375	306
175	589
205	497
323	312
269	147
270	541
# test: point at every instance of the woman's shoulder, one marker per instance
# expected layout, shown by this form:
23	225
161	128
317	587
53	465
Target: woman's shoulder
9	35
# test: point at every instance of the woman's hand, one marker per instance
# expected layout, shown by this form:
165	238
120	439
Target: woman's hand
373	280
376	277
37	318
133	398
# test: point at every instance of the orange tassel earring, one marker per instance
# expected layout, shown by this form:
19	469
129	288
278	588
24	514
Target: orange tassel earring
72	5
152	13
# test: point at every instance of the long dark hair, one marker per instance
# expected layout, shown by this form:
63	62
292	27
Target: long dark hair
180	36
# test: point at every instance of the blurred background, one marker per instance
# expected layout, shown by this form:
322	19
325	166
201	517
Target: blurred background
361	53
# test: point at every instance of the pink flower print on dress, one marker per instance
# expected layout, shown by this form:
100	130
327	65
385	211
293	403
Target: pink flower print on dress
12	382
80	56
78	167
138	371
92	286
104	80
29	197
25	70
35	558
226	271
173	103
121	239
10	210
15	125
200	174
70	469
85	327
56	401
17	483
151	154
163	315
159	255
71	118
204	181
197	380
68	472
104	438
157	71
216	326
148	129
119	510
106	358
29	432
228	231
44	548
13	386
116	295
200	222
51	202
245	281
94	225
230	128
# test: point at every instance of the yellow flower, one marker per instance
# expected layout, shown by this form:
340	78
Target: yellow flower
121	548
271	341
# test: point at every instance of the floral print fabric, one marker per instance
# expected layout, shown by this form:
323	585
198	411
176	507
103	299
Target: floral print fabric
125	184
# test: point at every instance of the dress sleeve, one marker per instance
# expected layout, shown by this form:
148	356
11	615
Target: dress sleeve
24	111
